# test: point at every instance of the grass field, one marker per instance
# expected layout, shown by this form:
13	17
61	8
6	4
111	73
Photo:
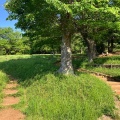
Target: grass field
45	95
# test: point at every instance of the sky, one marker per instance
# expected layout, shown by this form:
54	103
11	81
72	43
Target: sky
4	15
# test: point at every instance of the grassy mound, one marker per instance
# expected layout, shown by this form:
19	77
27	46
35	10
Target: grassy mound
49	96
81	97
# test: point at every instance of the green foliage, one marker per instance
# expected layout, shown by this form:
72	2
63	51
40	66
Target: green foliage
12	42
78	44
45	45
94	19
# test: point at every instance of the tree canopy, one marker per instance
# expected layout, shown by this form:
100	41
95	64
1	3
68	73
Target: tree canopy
64	18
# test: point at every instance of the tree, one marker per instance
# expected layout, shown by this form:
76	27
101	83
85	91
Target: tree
41	17
44	17
77	43
12	42
94	22
49	45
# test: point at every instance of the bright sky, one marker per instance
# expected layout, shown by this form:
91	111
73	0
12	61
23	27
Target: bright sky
4	15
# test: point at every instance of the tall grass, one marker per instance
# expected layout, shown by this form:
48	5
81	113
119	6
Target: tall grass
81	97
49	96
3	80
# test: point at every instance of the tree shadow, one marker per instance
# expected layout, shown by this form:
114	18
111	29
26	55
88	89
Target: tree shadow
25	69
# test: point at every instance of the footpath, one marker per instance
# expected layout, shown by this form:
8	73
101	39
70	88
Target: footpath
8	112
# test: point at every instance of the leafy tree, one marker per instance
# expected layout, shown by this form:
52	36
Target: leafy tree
60	18
12	42
42	17
78	44
95	21
7	39
49	45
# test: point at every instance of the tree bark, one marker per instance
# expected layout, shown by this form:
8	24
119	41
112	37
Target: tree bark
91	50
91	46
67	30
66	55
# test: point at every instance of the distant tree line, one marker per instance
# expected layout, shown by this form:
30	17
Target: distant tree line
12	42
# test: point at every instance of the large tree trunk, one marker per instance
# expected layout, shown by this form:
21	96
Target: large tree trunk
66	55
91	46
91	50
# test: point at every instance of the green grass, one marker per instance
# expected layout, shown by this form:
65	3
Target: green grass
82	62
109	71
45	95
3	80
115	72
4	58
108	60
68	98
24	68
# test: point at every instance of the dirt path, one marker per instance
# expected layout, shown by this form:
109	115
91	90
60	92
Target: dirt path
111	82
115	87
8	112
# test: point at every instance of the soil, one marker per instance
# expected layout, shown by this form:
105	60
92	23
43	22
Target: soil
10	91
8	112
11	114
12	101
111	82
